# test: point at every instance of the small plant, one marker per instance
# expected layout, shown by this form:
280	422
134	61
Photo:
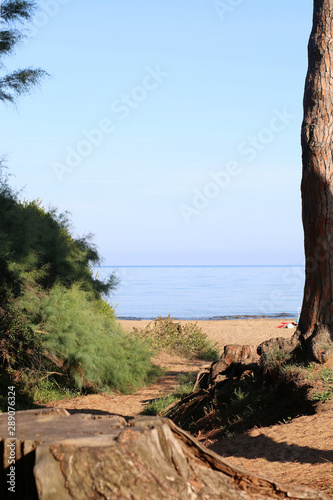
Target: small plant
239	394
185	340
158	406
327	375
324	377
324	396
276	359
318	379
47	390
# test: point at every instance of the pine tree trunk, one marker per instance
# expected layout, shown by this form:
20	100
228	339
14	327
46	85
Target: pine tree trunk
317	190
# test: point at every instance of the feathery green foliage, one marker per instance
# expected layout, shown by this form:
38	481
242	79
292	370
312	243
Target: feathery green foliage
18	340
92	346
17	10
54	321
185	340
21	81
37	244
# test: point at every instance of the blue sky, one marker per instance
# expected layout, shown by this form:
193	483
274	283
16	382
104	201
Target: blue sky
170	130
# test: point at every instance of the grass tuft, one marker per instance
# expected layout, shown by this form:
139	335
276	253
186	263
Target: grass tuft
319	378
159	405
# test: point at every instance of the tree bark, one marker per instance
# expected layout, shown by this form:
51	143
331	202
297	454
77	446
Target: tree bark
316	187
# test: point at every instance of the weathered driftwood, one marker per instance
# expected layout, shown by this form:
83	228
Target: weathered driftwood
61	456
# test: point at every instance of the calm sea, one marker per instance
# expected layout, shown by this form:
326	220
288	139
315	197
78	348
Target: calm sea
206	292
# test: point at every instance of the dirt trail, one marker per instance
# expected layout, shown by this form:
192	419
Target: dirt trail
132	404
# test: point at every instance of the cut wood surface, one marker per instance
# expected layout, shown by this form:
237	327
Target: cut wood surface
62	456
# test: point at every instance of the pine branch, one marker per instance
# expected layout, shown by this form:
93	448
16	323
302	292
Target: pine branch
8	40
17	10
19	82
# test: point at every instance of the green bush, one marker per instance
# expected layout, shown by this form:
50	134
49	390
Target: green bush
84	335
39	241
185	340
56	329
19	343
47	389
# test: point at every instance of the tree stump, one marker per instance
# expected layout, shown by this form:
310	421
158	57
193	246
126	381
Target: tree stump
82	456
234	357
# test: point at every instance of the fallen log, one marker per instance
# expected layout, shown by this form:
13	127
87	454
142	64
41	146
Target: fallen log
59	456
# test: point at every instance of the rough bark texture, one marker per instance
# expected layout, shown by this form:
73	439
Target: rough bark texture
317	188
280	346
235	358
62	456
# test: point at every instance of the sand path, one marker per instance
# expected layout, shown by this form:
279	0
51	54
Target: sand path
129	405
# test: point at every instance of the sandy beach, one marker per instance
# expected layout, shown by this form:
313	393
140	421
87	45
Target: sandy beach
239	331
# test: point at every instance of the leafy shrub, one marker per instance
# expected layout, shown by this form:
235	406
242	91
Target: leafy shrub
185	340
18	341
200	346
84	335
54	322
36	240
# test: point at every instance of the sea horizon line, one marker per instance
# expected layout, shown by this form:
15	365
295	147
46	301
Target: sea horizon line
201	265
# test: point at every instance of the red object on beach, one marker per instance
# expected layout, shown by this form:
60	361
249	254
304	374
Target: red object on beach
284	323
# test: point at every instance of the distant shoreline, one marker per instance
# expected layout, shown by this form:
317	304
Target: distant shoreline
214	318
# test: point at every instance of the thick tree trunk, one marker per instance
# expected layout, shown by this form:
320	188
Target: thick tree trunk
317	190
